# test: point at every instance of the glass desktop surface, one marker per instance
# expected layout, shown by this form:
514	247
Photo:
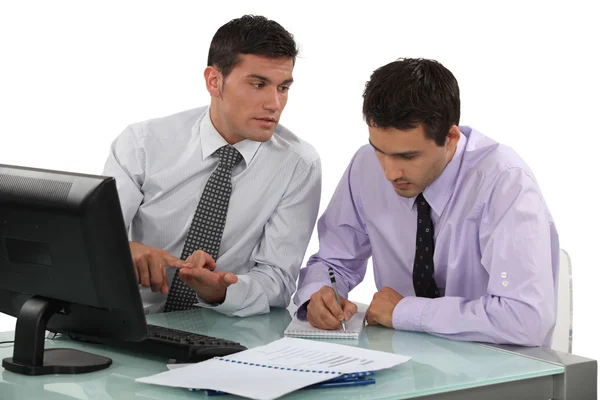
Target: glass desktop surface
437	365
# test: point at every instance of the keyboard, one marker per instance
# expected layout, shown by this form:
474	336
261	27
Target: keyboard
178	345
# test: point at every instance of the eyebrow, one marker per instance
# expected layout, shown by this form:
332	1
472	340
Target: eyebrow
267	80
403	154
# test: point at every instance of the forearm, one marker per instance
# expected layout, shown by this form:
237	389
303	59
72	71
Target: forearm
491	319
255	293
343	245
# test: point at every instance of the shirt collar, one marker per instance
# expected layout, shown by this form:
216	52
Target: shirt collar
211	140
438	193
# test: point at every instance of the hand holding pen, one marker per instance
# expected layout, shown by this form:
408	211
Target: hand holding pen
326	309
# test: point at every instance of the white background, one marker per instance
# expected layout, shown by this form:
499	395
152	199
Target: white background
74	74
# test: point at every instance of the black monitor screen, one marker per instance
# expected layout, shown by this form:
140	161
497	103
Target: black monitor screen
64	260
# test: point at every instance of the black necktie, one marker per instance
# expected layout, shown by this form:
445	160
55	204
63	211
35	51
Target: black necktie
423	280
207	226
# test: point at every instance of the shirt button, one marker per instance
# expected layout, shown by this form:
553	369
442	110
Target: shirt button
505	283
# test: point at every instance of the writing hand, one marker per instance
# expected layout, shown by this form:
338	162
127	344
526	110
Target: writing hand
324	312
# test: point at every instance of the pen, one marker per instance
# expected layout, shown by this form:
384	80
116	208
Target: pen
337	296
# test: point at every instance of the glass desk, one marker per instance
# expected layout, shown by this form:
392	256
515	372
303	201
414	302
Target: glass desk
440	369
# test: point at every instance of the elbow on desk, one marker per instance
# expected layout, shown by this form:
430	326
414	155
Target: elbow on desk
528	326
527	339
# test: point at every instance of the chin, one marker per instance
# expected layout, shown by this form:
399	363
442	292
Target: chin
405	193
262	136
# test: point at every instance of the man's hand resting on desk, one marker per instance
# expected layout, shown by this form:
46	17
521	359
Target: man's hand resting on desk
211	286
150	263
382	307
324	312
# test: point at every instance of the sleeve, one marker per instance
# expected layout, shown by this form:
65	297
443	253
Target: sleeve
343	244
272	281
126	164
519	247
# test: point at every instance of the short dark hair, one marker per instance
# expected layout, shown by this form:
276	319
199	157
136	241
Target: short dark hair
250	34
408	92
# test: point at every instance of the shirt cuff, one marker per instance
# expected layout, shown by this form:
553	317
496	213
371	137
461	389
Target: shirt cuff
234	298
303	294
408	314
302	312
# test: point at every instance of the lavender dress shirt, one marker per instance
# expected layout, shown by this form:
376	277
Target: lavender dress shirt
496	247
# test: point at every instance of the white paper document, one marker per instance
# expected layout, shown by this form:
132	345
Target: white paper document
278	368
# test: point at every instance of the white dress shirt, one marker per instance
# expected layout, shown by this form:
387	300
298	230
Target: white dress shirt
161	167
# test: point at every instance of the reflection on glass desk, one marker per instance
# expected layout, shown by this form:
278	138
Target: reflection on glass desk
438	367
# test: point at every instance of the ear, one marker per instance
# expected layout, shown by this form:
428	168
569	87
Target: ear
213	78
451	141
452	137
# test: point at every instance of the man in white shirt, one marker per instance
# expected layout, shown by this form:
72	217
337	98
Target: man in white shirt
260	203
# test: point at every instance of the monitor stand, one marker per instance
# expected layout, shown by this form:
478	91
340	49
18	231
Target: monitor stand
29	356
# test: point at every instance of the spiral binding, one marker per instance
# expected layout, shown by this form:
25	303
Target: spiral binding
314	371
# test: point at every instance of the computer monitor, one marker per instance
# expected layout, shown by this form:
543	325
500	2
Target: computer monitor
65	266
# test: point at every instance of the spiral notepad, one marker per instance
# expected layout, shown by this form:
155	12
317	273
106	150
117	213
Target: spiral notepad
299	328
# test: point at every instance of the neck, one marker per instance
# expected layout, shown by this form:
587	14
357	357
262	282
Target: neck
222	127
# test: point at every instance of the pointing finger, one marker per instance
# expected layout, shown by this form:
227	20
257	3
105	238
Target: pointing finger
164	289
173	261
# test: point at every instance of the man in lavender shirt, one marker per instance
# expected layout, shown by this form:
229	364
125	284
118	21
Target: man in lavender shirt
462	241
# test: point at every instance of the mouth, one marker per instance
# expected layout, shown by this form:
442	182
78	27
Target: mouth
266	119
401	185
266	123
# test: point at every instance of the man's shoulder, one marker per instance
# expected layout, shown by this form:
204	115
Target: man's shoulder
490	163
490	158
365	152
168	125
364	160
285	140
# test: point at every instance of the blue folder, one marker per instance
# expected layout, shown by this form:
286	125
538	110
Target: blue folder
354	379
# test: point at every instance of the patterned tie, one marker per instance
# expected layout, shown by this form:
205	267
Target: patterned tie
207	226
423	279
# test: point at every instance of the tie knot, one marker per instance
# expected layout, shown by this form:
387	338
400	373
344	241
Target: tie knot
422	204
229	157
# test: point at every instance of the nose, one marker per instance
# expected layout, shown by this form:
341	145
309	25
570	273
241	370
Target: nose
272	101
392	168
